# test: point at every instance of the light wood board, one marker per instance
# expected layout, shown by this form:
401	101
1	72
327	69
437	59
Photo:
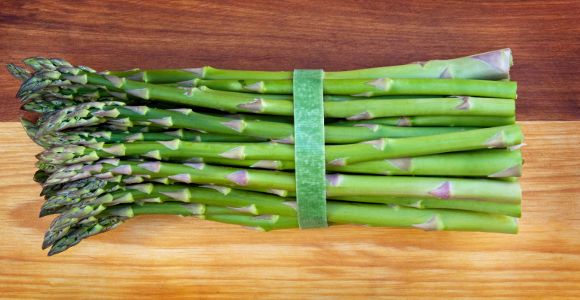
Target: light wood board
168	257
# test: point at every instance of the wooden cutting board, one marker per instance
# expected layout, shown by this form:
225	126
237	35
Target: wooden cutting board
167	257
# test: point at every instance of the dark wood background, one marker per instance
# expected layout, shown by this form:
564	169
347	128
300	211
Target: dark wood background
274	35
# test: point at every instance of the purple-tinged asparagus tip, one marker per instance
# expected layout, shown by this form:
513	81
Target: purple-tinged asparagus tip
404	122
196	71
465	104
237	125
181	195
360	116
140	76
110	161
443	191
286	140
267	164
134	179
381	83
339	162
250	209
185	178
123	170
402	163
220	189
184	111
513	171
176	133
155	154
112	113
517	147
371	127
146	188
197	166
106	175
134	137
140	93
163	180
153	166
127	198
334	179
434	223
151	200
292	204
116	81
278	192
172	145
255	106
258	87
165	121
187	83
239	177
445	74
496	141
122	96
498	59
117	150
377	144
237	153
96	168
140	109
81	79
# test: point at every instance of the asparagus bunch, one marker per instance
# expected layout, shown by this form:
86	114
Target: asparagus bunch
430	145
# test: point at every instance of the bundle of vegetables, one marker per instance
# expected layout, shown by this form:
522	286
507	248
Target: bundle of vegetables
430	145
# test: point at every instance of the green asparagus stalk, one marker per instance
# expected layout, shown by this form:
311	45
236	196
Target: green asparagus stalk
473	121
483	163
365	109
508	209
337	184
375	87
492	163
257	203
94	113
341	213
243	102
62	225
110	136
86	138
491	65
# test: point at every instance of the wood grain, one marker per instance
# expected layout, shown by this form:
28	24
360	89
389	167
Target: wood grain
544	35
172	257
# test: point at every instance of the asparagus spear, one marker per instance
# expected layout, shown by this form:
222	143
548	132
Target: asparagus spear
243	102
338	155
492	163
60	233
258	203
341	213
375	87
474	121
94	113
337	184
78	137
491	65
86	138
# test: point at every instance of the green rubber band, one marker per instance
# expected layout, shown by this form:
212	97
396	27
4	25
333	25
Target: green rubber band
309	148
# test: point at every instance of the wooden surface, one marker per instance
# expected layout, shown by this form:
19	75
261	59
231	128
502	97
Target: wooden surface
274	35
161	257
170	257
